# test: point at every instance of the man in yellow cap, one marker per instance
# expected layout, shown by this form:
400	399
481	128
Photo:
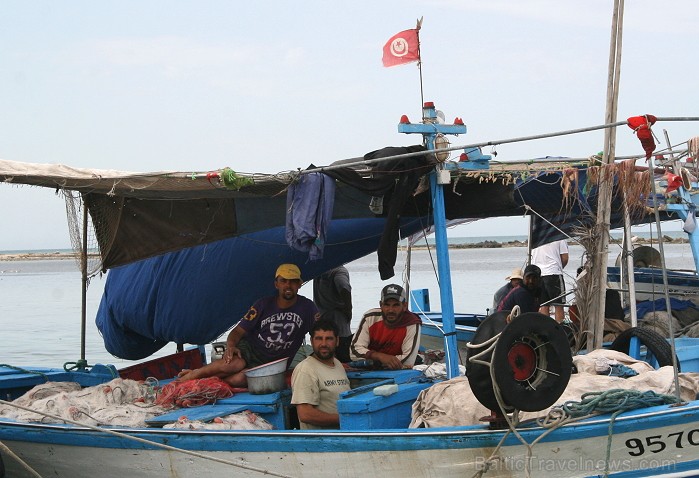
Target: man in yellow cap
272	329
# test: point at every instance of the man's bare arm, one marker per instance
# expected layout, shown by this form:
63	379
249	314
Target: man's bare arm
310	414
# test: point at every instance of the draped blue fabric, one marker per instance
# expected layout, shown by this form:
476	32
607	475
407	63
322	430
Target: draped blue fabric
195	295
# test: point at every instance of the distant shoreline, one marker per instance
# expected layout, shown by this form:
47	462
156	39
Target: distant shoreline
37	256
487	244
495	244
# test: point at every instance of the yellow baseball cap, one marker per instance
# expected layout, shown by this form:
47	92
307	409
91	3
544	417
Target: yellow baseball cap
288	272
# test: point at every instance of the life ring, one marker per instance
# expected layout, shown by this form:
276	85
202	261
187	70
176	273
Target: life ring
532	362
658	350
479	374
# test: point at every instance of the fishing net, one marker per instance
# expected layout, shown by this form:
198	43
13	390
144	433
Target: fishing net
193	393
128	403
119	402
82	232
237	421
452	402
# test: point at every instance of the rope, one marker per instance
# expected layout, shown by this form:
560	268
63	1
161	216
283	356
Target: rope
614	401
511	421
150	442
514	313
24	370
357	161
610	401
80	365
529	209
231	180
24	465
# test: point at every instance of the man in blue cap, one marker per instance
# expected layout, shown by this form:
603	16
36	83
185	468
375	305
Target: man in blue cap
388	335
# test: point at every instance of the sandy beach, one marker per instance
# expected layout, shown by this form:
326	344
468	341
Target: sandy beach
35	256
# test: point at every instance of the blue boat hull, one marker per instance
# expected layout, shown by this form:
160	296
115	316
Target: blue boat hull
649	283
374	435
661	438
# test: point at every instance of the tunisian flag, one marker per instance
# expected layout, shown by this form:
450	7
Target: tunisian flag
403	47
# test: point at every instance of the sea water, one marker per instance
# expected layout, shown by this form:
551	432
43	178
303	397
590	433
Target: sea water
40	300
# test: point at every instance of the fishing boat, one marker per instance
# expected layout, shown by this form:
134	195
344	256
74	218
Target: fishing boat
650	286
648	277
211	232
432	333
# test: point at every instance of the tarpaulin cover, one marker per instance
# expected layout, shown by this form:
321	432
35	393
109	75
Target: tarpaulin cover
195	295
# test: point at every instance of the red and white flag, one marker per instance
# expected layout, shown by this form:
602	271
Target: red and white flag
403	47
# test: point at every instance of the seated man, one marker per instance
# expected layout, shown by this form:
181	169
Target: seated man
390	334
272	329
526	296
513	280
318	381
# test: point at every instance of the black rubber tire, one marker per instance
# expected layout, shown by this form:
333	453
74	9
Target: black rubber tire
655	343
545	367
2	467
479	375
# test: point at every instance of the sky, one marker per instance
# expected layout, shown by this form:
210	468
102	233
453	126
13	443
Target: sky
276	85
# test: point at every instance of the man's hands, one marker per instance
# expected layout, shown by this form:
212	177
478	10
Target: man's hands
232	350
388	361
230	353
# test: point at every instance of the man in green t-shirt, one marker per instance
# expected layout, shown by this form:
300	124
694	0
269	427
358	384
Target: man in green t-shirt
318	381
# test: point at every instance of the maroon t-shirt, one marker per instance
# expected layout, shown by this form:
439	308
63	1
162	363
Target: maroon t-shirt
276	333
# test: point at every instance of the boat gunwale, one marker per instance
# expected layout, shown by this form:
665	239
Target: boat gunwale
655	413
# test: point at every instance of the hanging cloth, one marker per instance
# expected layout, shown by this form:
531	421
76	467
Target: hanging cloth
673	182
690	224
309	208
396	180
641	126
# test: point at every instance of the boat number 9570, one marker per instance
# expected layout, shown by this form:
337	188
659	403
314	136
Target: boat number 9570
657	443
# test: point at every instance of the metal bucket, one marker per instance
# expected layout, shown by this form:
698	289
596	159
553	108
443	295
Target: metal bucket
267	378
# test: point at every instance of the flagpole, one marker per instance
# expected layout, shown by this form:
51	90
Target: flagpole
419	61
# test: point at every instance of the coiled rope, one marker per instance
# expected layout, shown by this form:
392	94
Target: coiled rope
614	401
80	365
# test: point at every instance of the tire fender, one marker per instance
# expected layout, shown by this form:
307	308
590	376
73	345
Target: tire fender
655	343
